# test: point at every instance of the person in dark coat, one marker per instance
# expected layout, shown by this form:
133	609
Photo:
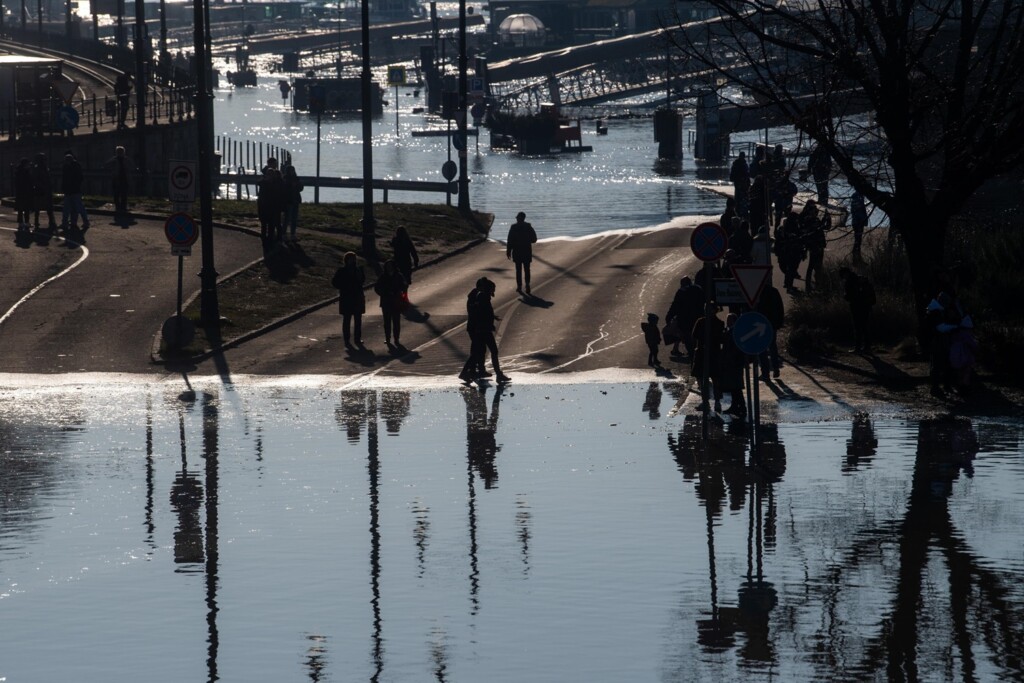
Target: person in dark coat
23	193
812	231
771	306
733	363
474	366
859	221
42	191
389	287
71	184
739	176
789	249
519	248
404	253
860	295
725	220
714	356
122	90
758	215
483	324
292	200
687	306
819	165
120	167
652	337
740	240
270	203
349	280
783	193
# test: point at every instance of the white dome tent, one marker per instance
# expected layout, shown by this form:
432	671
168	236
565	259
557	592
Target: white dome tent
521	30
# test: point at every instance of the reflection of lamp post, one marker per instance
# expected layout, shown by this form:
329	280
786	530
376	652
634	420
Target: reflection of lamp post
368	222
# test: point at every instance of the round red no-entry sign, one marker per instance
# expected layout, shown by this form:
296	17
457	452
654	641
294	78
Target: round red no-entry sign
709	242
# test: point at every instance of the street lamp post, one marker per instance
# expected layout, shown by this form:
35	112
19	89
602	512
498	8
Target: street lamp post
208	305
369	224
463	152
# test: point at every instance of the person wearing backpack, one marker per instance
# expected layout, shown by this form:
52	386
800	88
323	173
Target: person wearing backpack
860	295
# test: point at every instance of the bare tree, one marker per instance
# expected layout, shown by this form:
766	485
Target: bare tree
939	80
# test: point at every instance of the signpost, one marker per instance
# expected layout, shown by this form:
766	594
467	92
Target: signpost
396	77
181	181
708	243
753	334
66	117
181	231
317	100
751	280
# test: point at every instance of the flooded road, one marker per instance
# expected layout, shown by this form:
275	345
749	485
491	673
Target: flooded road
288	530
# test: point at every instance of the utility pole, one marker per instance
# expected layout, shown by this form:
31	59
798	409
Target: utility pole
208	305
141	51
461	114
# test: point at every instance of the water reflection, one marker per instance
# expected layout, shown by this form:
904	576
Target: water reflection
481	429
862	445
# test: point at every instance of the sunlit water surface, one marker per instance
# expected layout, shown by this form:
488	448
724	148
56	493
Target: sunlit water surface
543	533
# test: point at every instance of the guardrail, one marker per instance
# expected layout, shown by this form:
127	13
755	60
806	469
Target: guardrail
240	180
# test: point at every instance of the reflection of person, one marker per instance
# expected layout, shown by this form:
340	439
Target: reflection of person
862	445
652	401
481	429
519	248
349	281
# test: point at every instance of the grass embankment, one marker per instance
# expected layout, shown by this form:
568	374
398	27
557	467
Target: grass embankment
292	277
983	255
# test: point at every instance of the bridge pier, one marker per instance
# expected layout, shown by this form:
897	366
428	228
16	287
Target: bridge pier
668	133
711	143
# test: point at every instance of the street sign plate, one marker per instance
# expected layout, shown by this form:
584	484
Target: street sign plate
67	117
709	242
727	292
751	280
65	88
181	181
476	85
753	333
181	250
396	75
181	230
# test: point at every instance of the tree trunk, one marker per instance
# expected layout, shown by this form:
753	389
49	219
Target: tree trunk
924	235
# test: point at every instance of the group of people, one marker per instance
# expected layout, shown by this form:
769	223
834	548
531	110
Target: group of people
34	190
279	194
950	340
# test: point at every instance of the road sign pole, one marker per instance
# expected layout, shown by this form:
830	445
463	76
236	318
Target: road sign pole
705	373
316	188
396	110
181	266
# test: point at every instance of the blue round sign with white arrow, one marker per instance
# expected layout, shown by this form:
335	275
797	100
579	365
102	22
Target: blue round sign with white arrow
66	118
753	333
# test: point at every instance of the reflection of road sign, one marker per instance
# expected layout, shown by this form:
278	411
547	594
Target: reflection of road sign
753	333
709	242
181	181
728	293
458	141
181	230
751	280
396	75
449	169
67	118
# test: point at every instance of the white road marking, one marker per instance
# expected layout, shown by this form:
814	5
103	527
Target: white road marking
32	292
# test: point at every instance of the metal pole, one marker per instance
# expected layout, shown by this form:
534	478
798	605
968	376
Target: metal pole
140	88
463	86
163	27
208	303
369	224
396	110
706	370
316	188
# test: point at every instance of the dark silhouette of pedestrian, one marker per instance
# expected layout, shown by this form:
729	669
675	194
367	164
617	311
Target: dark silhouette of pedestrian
789	249
942	318
652	337
270	202
759	198
733	364
859	221
404	253
519	248
71	184
783	193
687	306
740	240
390	287
42	191
121	167
771	306
860	295
292	200
349	280
123	91
739	176
483	320
812	231
725	220
819	165
23	193
712	357
474	366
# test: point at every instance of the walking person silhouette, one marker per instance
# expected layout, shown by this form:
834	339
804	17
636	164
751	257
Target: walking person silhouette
519	249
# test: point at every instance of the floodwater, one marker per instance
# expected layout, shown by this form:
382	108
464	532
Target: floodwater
578	532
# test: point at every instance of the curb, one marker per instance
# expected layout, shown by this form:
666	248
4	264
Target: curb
279	322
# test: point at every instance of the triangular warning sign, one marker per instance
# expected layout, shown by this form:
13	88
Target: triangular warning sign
65	88
751	280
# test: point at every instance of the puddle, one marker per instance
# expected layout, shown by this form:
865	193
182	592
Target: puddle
541	533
